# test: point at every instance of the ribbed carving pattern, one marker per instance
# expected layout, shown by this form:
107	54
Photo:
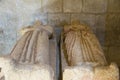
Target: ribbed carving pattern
82	46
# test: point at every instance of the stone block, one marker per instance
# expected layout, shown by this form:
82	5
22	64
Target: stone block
78	73
95	22
89	20
72	6
52	6
113	29
110	72
114	6
18	71
112	38
94	6
114	55
113	22
75	17
87	72
58	20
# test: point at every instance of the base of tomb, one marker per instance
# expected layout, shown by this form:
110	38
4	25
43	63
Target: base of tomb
87	72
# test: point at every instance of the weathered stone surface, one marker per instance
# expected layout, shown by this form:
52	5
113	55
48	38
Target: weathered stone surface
8	25
114	6
81	46
16	71
34	54
14	15
58	20
2	48
113	29
52	6
110	72
78	73
72	6
82	56
88	19
41	17
113	22
106	50
114	55
100	21
53	55
2	41
94	21
112	38
94	6
75	17
10	37
88	72
100	34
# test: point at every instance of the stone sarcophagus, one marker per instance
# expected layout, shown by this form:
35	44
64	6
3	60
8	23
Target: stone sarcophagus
33	57
82	57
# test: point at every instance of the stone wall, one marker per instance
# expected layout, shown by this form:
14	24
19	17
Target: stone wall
103	16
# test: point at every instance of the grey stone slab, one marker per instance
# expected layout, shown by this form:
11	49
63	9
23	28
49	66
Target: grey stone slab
114	55
114	6
58	20
51	6
72	6
94	6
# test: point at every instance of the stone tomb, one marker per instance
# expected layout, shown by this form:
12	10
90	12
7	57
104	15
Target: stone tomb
33	57
82	56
